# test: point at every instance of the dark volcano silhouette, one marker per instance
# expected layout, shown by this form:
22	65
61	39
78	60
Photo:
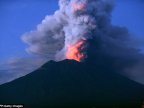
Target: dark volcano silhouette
69	84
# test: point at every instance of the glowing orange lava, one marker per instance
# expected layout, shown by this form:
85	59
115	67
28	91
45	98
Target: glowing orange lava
74	52
78	6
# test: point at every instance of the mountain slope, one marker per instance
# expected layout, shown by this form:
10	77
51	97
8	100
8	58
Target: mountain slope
72	84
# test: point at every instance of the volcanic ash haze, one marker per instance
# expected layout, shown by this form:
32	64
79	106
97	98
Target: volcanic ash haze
78	29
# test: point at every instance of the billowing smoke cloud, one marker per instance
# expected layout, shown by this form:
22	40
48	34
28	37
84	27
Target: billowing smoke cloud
80	27
75	21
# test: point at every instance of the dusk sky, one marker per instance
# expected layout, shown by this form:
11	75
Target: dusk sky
21	16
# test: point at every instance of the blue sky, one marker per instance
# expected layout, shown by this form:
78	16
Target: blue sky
130	13
20	16
17	18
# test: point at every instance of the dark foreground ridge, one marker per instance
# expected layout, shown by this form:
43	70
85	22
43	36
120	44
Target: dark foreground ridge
69	84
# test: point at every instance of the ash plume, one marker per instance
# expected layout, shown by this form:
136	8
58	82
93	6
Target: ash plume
82	29
76	20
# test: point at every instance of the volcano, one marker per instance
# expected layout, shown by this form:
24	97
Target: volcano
71	84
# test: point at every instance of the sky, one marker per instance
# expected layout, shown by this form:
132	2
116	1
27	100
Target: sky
129	13
18	17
